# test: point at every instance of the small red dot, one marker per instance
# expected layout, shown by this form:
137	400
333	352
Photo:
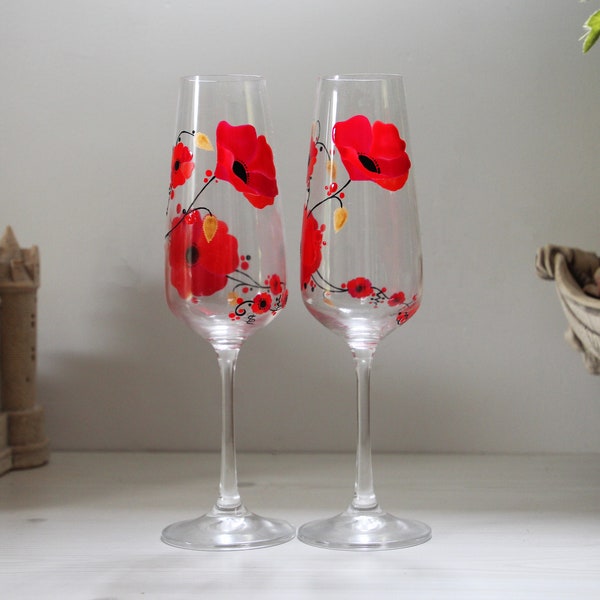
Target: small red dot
342	195
178	208
239	300
245	265
245	290
343	286
208	173
231	315
205	180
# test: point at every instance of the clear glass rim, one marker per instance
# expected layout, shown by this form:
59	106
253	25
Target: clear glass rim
221	78
364	77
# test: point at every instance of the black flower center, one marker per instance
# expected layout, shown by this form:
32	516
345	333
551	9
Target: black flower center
192	254
176	166
262	303
240	170
368	163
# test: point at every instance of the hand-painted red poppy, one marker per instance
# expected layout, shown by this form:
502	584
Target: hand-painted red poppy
312	160
200	267
246	161
374	153
284	298
181	165
360	287
397	299
275	284
310	248
262	303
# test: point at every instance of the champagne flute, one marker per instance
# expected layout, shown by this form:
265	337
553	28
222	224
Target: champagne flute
361	266
224	266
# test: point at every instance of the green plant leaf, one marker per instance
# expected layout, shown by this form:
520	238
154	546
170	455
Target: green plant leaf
592	26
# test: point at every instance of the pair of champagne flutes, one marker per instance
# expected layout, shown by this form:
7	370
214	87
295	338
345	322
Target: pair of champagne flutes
360	270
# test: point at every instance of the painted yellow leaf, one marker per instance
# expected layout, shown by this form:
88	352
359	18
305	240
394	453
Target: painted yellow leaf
210	226
203	142
332	169
232	298
340	216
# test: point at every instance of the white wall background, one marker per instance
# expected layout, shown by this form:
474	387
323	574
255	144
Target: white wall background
505	127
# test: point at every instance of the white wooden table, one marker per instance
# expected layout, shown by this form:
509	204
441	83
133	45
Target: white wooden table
87	527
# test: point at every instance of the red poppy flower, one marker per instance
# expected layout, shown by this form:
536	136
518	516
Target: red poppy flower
396	299
200	267
284	298
181	165
374	153
310	249
359	287
275	285
246	161
312	160
261	303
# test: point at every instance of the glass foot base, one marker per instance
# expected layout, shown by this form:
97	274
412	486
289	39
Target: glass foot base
237	529
364	530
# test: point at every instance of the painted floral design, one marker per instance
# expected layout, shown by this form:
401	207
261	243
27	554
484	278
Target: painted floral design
261	303
246	161
310	251
275	285
397	299
369	152
360	287
203	255
200	267
181	165
313	152
372	152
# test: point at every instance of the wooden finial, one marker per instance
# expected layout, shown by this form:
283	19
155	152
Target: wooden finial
9	247
19	268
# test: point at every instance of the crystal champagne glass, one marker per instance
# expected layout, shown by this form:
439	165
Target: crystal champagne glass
225	266
361	266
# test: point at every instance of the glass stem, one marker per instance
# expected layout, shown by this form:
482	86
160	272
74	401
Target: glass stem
364	493
229	497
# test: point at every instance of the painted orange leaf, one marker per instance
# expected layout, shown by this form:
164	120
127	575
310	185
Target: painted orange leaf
340	216
332	169
203	142
232	298
327	299
210	226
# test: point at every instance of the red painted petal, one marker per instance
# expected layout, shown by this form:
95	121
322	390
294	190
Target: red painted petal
262	160
393	184
239	139
220	255
355	133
